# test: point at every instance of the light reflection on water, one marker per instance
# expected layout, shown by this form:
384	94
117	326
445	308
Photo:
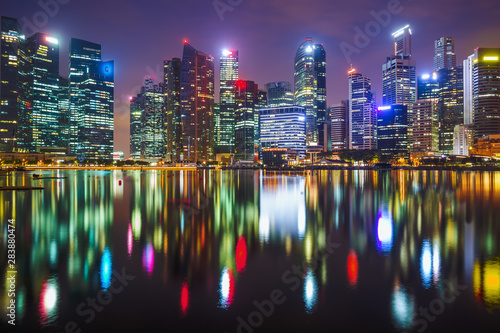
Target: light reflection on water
212	243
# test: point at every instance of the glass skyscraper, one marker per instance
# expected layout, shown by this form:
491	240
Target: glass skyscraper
173	127
135	127
451	105
425	125
339	122
444	53
392	129
279	94
197	104
310	87
362	113
246	98
152	105
228	74
11	38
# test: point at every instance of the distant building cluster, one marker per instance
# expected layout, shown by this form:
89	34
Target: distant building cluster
40	110
453	111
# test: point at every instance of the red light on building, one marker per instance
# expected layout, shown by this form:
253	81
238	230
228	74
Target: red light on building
185	41
241	254
240	84
352	268
351	71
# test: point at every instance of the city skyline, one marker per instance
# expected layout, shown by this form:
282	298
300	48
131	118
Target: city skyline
133	64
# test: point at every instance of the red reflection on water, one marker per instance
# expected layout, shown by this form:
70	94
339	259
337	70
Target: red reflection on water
184	298
352	268
241	254
48	302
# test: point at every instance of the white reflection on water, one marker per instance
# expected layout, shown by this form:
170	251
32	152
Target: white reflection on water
426	264
49	301
310	292
384	231
402	307
226	289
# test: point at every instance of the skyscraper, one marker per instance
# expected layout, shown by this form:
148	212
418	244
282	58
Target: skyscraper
392	129
310	87
246	98
11	38
197	104
173	126
41	120
486	96
451	105
152	105
462	140
339	122
96	104
362	112
468	90
228	74
428	86
82	54
262	103
444	53
279	94
135	127
425	125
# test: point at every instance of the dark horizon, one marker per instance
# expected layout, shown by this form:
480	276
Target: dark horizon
139	37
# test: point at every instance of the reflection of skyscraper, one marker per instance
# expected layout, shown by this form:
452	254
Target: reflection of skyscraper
228	74
197	104
310	86
362	113
173	119
11	37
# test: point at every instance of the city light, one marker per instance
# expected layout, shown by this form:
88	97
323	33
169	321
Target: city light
426	76
384	108
309	49
52	40
490	58
400	32
227	53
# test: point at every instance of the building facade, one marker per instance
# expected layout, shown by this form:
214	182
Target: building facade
462	140
392	130
135	127
245	98
152	105
228	74
425	125
362	113
444	53
339	123
279	94
173	117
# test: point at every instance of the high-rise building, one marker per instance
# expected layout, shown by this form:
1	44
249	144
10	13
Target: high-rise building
228	74
135	127
451	105
63	105
310	87
279	94
428	86
197	104
468	90
152	104
96	104
339	122
462	140
362	112
173	126
486	98
11	37
283	127
82	55
245	98
392	129
444	53
425	125
262	103
402	42
39	108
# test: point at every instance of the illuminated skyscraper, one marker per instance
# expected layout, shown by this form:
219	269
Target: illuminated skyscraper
339	122
392	129
468	90
246	98
279	94
228	73
135	127
310	87
425	125
41	121
444	53
152	105
96	104
428	86
451	105
197	104
262	103
82	54
362	113
173	127
11	38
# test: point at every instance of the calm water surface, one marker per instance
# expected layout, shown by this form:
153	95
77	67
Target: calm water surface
254	251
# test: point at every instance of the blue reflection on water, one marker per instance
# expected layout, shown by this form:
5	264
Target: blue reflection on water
384	232
106	269
426	264
226	289
310	292
402	308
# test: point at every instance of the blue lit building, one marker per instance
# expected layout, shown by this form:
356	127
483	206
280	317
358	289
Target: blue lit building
362	113
428	86
392	129
283	127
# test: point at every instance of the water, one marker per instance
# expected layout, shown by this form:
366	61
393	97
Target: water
254	251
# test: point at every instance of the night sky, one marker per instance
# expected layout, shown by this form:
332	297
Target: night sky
139	35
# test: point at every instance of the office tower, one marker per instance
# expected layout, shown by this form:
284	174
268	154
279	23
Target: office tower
283	127
96	107
173	126
135	127
11	37
444	53
216	126
362	112
279	94
38	107
152	105
339	122
392	130
245	98
486	109
262	103
468	90
451	105
197	104
228	72
425	125
427	86
402	42
63	106
462	140
82	54
310	87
